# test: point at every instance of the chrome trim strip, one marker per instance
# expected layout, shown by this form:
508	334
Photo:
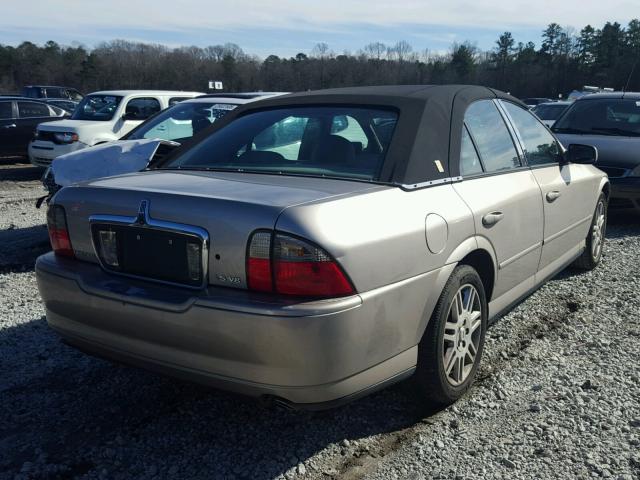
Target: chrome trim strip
144	220
565	230
517	256
431	183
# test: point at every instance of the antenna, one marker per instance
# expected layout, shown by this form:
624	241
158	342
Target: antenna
626	85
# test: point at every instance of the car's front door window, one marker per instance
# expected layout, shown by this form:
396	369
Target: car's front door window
540	146
142	108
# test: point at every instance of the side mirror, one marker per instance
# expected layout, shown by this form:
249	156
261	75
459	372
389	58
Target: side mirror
584	154
129	116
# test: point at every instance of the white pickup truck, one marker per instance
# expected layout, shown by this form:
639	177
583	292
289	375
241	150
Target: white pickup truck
100	117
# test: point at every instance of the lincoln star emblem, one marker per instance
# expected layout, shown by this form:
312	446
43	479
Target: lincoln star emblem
143	213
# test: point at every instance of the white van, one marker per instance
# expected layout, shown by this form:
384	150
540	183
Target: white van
100	117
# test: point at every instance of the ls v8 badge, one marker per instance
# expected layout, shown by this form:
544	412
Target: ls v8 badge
223	277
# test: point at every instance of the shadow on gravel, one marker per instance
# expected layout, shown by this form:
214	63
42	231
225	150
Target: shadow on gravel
19	172
19	247
78	414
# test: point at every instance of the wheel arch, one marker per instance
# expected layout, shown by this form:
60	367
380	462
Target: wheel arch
605	187
478	252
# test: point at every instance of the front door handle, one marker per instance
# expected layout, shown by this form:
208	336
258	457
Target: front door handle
553	196
490	219
11	125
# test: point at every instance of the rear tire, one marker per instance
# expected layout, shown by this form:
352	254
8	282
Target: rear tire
451	348
592	254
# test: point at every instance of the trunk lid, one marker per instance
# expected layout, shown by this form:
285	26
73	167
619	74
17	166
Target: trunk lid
229	206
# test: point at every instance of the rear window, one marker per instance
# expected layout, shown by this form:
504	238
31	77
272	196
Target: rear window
605	116
342	142
97	107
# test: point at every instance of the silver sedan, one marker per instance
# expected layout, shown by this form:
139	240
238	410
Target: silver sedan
314	247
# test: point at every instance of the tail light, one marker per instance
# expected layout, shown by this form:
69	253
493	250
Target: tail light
292	266
58	231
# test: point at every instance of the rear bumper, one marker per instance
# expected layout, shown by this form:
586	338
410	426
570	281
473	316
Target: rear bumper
42	153
310	354
625	193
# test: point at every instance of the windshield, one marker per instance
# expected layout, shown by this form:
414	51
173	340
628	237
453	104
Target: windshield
605	116
181	121
97	107
342	142
549	112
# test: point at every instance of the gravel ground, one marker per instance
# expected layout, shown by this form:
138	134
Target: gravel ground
558	394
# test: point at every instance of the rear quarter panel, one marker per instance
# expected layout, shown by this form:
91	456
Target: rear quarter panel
380	240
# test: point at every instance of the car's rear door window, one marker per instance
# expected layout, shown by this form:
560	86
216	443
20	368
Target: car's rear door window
469	160
491	136
540	146
333	141
33	109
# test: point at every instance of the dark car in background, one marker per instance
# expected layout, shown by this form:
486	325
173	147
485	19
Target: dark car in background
550	112
63	103
49	91
533	101
19	117
611	123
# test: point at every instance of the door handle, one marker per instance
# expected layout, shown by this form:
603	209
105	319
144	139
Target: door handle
12	125
490	219
553	196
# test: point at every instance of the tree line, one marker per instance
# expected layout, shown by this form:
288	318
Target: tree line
564	60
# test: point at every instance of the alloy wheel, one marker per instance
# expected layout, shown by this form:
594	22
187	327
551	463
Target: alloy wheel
597	231
461	339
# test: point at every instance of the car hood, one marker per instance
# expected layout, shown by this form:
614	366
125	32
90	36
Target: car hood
71	125
614	151
106	160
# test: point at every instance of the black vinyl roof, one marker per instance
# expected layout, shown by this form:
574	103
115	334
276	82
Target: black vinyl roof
426	137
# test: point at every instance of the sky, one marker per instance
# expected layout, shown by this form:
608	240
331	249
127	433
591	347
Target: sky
286	27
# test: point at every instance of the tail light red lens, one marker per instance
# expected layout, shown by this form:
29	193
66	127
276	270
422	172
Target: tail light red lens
259	263
294	267
58	231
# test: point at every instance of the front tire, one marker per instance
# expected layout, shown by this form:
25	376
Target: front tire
592	254
451	348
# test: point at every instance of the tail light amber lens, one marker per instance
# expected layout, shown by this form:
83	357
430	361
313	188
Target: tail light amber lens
294	267
58	231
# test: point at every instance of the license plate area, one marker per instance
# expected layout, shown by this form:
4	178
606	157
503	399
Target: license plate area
162	255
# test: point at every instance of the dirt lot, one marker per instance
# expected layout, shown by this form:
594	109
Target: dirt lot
558	394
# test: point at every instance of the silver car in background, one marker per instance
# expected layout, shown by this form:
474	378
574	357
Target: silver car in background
312	248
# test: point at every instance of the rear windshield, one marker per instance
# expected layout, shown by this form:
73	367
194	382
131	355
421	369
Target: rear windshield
97	107
341	142
181	121
549	112
603	116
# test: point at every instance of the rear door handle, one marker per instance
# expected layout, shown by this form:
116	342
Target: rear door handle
11	125
490	219
553	196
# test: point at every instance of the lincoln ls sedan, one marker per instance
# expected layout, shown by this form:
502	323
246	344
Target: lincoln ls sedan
312	248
